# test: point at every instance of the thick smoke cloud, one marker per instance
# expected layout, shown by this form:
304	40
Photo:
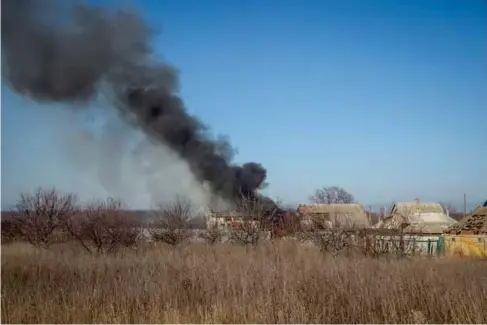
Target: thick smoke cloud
50	58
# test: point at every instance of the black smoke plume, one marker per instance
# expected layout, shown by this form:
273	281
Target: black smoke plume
49	57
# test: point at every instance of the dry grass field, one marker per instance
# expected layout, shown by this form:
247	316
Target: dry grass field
271	283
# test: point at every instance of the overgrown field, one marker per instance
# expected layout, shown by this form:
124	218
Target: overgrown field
269	283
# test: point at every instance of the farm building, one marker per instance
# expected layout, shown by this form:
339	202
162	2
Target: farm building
468	237
417	217
227	220
336	215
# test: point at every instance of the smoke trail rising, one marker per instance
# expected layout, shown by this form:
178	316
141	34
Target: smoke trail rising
51	58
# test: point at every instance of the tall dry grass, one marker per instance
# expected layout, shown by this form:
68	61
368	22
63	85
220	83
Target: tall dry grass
274	283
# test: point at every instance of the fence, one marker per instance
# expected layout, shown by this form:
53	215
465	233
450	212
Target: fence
474	246
408	244
376	241
394	241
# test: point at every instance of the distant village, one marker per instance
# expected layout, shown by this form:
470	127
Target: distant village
412	217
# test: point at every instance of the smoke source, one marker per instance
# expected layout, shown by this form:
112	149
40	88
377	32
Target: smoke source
51	58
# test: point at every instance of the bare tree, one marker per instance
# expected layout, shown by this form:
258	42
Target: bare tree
330	195
172	222
41	215
212	235
329	236
246	232
104	226
253	218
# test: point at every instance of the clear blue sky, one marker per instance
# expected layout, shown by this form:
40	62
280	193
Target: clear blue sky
385	98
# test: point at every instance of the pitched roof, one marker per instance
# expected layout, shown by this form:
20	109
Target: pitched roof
407	208
327	208
476	222
417	217
345	214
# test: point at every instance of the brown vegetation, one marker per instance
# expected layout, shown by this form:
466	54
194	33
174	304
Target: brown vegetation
10	230
172	222
41	215
270	283
212	235
103	227
102	272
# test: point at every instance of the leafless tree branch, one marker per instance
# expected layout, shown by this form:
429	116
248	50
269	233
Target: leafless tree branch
103	227
172	222
330	195
41	215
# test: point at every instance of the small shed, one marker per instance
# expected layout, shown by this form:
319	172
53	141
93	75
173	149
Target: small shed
417	217
349	215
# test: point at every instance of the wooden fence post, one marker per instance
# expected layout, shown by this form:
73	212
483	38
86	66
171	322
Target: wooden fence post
440	246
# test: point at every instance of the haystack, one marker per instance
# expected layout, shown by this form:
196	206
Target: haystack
337	215
473	224
417	217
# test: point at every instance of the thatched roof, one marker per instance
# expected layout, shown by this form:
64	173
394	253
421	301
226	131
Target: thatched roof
330	208
409	208
417	217
476	222
346	215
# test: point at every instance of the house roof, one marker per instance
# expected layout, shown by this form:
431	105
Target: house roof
476	222
417	217
346	215
331	208
406	208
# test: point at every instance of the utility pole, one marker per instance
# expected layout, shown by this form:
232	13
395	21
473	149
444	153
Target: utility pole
464	204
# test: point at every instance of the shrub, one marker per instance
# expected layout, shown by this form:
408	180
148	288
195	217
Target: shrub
41	215
172	222
103	227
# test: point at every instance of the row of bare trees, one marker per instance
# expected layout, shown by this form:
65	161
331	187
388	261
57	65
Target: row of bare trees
47	216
